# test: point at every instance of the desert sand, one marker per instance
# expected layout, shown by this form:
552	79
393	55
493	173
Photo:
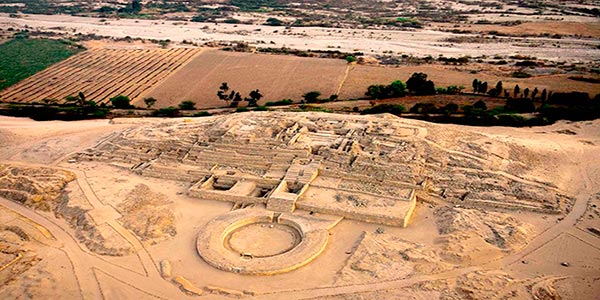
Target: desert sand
419	42
280	205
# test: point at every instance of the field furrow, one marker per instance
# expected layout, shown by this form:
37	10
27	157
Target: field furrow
101	74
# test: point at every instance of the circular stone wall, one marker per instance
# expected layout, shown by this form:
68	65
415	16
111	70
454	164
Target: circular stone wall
251	241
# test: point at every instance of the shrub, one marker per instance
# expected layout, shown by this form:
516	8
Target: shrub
274	22
241	109
280	103
512	120
480	105
312	97
168	112
187	105
121	102
448	109
380	91
260	108
519	105
232	21
570	99
520	74
199	18
423	108
450	90
526	63
202	114
384	108
315	108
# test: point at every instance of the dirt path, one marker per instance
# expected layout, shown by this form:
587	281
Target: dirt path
85	262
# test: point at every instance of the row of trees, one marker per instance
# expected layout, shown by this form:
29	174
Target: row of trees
480	87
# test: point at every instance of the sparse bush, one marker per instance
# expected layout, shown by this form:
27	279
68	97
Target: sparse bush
273	22
202	114
384	108
280	103
167	112
149	102
448	109
187	105
520	74
423	108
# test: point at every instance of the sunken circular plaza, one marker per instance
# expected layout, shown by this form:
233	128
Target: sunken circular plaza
261	242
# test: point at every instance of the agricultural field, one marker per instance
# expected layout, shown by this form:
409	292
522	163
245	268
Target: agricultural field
195	74
100	74
277	77
21	58
360	77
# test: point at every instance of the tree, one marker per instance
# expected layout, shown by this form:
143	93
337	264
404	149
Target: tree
517	91
187	105
81	98
544	94
377	91
255	96
333	98
78	100
499	87
483	87
237	97
419	85
311	97
225	95
136	6
397	88
121	102
534	93
526	93
223	91
350	59
506	93
476	85
149	102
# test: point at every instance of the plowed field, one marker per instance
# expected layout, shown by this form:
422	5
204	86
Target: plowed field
100	74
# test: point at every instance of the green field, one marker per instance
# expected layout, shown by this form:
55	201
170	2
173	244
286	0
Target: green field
21	58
